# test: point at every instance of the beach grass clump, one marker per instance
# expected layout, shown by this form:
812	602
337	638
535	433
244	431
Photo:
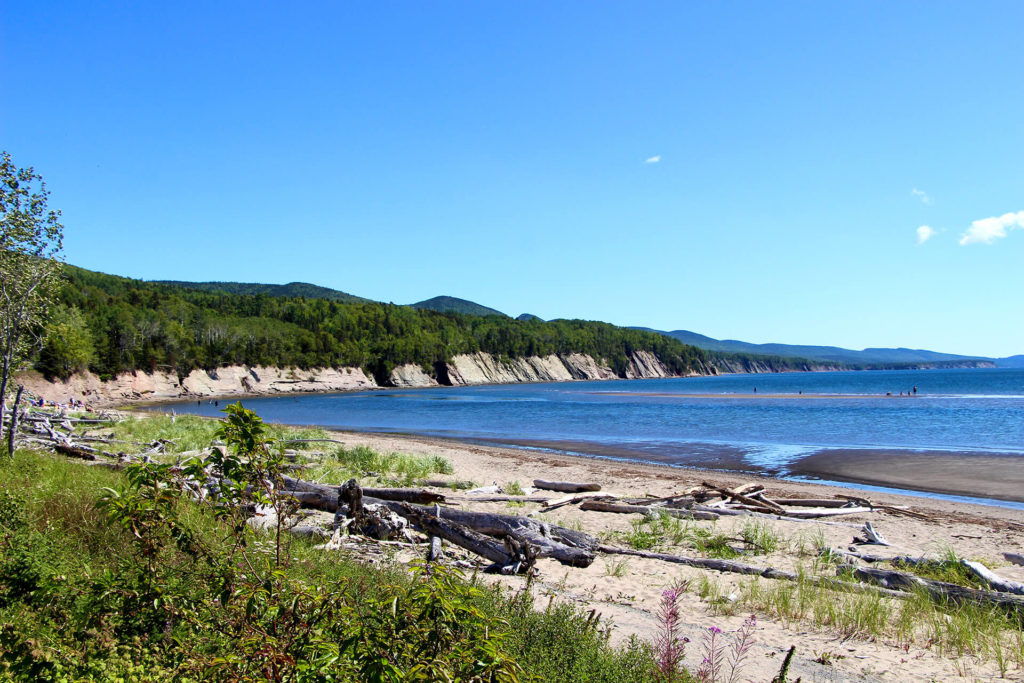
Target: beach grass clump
760	538
192	432
402	469
513	488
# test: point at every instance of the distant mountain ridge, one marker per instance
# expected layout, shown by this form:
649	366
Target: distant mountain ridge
835	354
872	357
292	289
451	304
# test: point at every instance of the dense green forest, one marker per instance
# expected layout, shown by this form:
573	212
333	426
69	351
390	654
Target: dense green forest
112	324
451	304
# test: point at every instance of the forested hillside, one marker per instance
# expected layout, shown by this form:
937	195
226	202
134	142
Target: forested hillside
112	324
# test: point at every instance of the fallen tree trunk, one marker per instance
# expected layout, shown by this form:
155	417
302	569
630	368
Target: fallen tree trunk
814	513
565	486
730	566
73	451
769	515
624	508
812	502
419	496
941	590
462	536
573	548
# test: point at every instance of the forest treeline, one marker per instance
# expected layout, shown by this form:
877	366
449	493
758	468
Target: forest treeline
111	324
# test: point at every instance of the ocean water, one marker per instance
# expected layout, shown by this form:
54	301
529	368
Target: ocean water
700	421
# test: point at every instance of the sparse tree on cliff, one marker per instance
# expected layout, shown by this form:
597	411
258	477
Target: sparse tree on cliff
31	239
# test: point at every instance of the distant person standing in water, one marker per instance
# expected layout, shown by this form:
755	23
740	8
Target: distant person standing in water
755	390
915	391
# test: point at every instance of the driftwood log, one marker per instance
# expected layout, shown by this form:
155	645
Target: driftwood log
565	486
730	566
512	556
769	515
1014	558
993	580
897	580
291	484
573	548
624	508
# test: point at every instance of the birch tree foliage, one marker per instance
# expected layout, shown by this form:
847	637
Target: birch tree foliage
31	239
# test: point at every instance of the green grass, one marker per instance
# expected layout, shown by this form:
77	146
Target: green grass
191	432
72	583
390	468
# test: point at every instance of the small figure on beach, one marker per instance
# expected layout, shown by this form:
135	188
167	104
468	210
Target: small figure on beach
915	391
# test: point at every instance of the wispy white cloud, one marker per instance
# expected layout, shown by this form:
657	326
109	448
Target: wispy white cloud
988	230
653	160
925	233
922	195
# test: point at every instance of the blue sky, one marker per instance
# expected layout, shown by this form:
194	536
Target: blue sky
756	171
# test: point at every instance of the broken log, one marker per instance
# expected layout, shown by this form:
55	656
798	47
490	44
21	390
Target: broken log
873	537
565	486
896	580
435	553
994	581
623	508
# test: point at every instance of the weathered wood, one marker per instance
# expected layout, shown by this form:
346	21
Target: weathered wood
994	581
896	580
565	486
500	498
623	508
874	536
730	493
811	502
573	548
316	500
435	553
1014	558
729	566
462	536
574	498
74	451
767	515
815	513
405	495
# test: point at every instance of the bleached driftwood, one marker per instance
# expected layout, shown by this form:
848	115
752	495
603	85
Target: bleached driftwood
994	581
623	508
896	580
731	493
873	536
565	486
574	498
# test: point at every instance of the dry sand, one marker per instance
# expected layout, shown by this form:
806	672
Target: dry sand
629	602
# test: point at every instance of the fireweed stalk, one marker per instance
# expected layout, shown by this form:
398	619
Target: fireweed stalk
669	646
715	661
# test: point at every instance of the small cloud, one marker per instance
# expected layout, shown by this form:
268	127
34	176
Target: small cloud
925	233
653	160
922	195
988	230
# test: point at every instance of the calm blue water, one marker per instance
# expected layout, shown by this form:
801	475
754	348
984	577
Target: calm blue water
975	410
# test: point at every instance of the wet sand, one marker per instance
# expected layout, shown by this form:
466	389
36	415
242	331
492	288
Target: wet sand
999	476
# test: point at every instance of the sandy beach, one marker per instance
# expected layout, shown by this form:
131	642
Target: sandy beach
627	597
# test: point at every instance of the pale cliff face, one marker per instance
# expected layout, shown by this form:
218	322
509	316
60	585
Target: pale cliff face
463	370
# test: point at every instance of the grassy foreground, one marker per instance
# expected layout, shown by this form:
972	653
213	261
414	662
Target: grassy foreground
108	576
